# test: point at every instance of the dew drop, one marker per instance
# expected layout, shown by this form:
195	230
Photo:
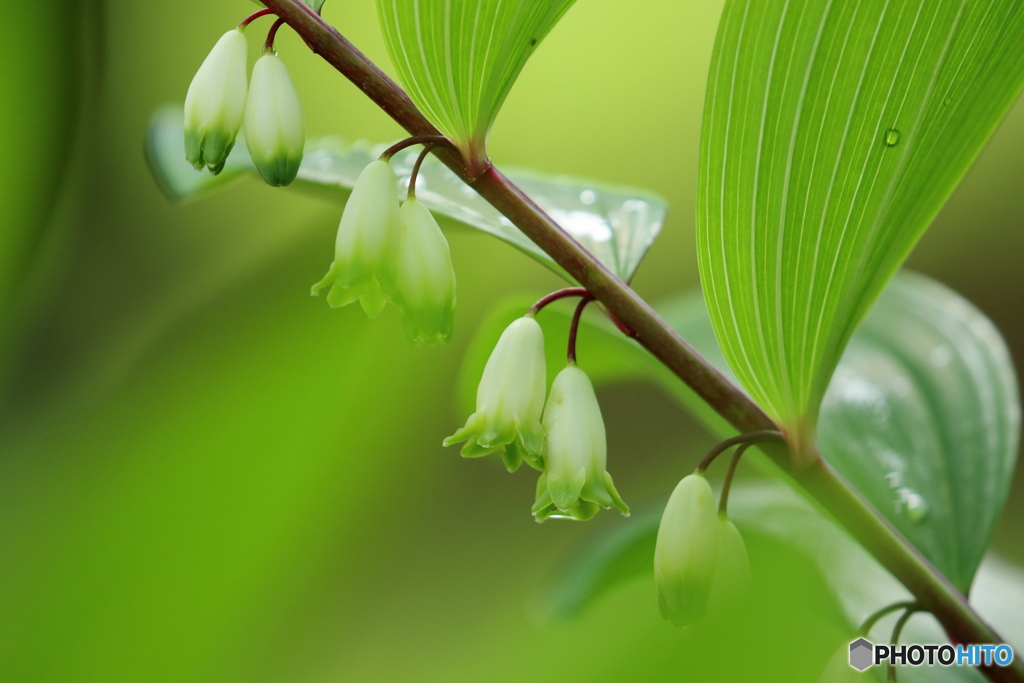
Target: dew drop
911	503
588	197
892	137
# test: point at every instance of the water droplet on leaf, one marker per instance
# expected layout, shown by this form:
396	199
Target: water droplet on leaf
892	137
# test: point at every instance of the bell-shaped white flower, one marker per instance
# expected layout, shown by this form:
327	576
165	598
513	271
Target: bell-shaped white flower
686	552
366	250
509	400
275	130
575	482
215	103
426	279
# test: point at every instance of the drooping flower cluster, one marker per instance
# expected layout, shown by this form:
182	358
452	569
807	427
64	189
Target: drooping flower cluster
565	439
384	253
700	558
219	104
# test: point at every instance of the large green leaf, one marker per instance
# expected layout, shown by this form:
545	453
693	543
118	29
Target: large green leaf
458	59
922	415
617	224
833	132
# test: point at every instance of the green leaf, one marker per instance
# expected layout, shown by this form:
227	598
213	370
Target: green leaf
458	60
922	415
616	224
833	132
923	418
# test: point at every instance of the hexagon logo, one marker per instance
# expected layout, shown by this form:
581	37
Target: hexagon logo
861	654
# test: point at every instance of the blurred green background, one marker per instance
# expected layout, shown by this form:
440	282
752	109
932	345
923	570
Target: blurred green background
207	475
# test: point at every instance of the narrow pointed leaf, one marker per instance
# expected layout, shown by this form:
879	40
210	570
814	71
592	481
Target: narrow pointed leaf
833	132
617	224
458	59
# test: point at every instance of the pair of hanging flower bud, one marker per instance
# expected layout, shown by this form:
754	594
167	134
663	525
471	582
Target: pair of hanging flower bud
382	252
700	560
564	439
220	102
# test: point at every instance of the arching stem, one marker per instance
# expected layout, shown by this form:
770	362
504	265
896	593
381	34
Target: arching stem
574	328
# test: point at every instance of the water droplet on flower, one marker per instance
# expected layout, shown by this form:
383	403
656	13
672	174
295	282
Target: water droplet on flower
892	137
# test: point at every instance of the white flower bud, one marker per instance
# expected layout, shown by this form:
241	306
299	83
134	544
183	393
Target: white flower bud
509	400
275	131
732	575
575	482
686	552
366	249
215	103
426	279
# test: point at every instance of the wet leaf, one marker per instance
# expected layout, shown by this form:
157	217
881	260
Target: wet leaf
616	224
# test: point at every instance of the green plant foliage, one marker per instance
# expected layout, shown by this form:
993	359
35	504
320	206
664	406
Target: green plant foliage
833	132
922	415
767	510
617	224
458	60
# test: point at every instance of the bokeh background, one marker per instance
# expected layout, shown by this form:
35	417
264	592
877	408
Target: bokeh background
207	475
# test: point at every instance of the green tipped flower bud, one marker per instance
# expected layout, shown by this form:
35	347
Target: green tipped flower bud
732	575
686	552
366	251
426	279
509	400
275	131
575	482
215	103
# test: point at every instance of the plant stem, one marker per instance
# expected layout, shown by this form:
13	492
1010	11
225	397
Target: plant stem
931	588
253	17
414	140
555	296
723	497
416	169
933	591
870	622
574	328
759	436
268	45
